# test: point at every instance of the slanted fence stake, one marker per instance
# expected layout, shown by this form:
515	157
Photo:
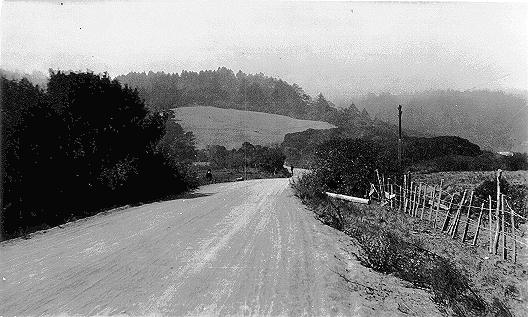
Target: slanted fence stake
478	225
454	226
504	252
438	207
490	219
424	200
418	200
381	192
400	197
391	192
414	200
410	194
468	216
497	215
447	218
512	214
410	197
433	195
404	194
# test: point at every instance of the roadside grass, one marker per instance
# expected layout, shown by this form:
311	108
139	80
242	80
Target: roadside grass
392	243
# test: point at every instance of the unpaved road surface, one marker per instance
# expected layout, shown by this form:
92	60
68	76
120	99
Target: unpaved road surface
246	248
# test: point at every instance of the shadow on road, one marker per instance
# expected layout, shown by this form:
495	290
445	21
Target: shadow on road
193	195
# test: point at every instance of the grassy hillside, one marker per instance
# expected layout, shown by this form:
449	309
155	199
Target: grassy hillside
230	128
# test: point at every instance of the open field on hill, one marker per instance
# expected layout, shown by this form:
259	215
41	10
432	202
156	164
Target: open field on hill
230	127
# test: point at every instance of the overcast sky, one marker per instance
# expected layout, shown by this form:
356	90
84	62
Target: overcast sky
335	48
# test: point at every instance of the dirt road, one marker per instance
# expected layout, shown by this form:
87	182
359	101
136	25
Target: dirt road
234	248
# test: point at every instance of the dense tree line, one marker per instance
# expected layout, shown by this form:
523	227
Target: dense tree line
267	159
84	143
224	89
444	153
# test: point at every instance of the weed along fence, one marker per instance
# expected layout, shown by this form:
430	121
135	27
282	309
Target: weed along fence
490	223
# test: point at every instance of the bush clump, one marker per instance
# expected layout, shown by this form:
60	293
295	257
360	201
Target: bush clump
83	144
348	166
517	194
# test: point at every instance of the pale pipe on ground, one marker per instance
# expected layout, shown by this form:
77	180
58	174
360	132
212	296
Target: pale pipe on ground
349	198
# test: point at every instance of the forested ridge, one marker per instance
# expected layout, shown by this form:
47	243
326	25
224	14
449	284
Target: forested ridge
224	89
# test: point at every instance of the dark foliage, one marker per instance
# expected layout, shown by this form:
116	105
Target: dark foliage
487	161
348	166
267	159
517	195
420	149
435	154
84	144
301	146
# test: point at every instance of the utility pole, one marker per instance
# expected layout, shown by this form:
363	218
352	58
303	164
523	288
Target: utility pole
400	166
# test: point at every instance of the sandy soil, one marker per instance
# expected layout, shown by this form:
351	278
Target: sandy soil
246	248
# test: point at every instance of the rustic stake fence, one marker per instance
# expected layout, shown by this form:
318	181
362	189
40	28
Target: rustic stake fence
465	216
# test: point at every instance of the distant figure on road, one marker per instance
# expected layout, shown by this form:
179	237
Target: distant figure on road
209	176
291	169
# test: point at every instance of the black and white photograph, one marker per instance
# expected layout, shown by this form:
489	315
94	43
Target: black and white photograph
263	158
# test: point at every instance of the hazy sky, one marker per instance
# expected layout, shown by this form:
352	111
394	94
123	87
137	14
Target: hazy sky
332	47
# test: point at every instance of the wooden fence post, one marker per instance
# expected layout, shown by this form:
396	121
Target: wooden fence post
454	226
411	200
414	199
497	215
490	219
512	214
478	225
385	189
504	252
418	200
431	208
391	192
398	189
446	220
404	193
423	201
468	215
409	194
381	192
438	207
